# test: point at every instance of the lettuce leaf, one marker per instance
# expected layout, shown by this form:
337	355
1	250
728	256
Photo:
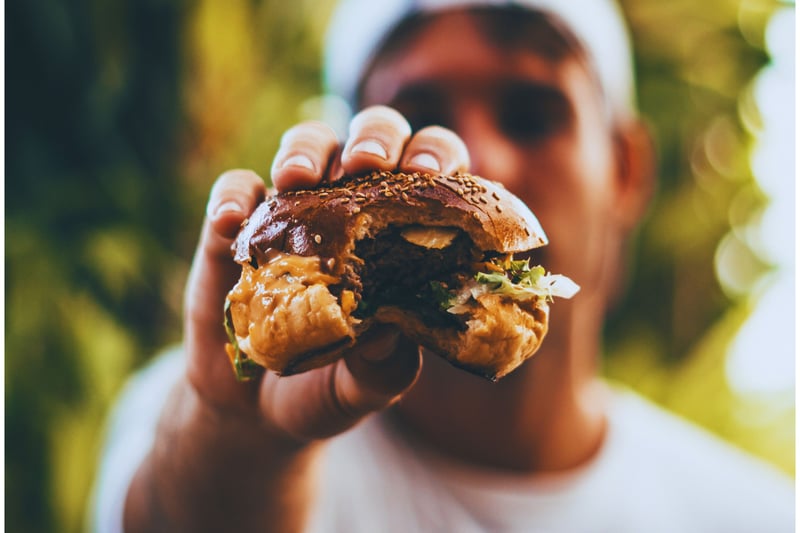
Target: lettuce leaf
514	279
244	367
521	282
441	295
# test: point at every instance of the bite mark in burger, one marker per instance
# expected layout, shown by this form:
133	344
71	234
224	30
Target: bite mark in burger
431	254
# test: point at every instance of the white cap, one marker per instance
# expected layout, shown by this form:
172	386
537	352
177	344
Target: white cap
359	28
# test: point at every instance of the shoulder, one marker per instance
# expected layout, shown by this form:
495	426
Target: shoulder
693	473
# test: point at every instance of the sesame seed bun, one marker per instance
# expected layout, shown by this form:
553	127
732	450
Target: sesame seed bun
326	220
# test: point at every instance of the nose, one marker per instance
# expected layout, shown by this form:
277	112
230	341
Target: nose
492	153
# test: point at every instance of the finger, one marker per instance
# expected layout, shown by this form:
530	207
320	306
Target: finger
383	373
375	141
435	149
233	197
303	156
329	400
335	170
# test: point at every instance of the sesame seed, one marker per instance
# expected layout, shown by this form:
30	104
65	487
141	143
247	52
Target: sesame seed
494	195
499	209
318	238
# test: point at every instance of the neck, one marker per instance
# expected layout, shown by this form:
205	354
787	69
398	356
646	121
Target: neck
548	415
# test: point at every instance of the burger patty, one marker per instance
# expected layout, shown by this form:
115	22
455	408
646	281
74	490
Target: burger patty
398	273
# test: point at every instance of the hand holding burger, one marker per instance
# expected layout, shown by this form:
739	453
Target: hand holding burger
262	436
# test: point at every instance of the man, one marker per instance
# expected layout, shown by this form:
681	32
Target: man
539	97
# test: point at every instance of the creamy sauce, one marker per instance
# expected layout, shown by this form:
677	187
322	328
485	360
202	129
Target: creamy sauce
428	237
295	267
284	308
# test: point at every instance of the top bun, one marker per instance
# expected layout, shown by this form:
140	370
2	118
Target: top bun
327	220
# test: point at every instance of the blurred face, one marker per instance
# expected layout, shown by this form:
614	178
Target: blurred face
535	124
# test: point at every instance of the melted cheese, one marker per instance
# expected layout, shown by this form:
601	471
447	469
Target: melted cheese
285	268
428	237
284	308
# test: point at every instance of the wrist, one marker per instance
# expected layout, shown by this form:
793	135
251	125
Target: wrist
216	469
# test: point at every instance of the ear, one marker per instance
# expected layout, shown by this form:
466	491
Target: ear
635	154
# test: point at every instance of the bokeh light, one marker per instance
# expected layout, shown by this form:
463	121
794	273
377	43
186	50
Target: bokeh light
761	357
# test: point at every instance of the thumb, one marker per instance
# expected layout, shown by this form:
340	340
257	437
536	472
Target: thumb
327	401
233	197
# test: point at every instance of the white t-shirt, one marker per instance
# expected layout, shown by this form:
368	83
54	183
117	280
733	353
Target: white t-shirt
655	473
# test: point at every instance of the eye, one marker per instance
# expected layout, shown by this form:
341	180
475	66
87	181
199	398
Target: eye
530	113
423	106
421	118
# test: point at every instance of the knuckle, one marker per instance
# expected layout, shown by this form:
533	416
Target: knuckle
438	133
236	175
234	182
312	132
295	132
380	117
442	138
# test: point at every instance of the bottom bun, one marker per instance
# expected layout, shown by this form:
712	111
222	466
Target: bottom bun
501	334
283	317
302	326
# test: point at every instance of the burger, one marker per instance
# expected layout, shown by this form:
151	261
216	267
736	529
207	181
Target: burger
432	254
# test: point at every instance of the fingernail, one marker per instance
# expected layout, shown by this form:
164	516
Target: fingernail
427	160
227	207
299	160
370	146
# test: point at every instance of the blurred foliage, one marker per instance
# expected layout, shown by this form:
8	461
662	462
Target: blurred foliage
120	114
670	334
94	223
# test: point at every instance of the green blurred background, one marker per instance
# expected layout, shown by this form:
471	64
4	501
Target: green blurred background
120	114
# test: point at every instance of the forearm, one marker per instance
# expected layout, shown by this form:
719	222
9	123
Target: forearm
213	471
